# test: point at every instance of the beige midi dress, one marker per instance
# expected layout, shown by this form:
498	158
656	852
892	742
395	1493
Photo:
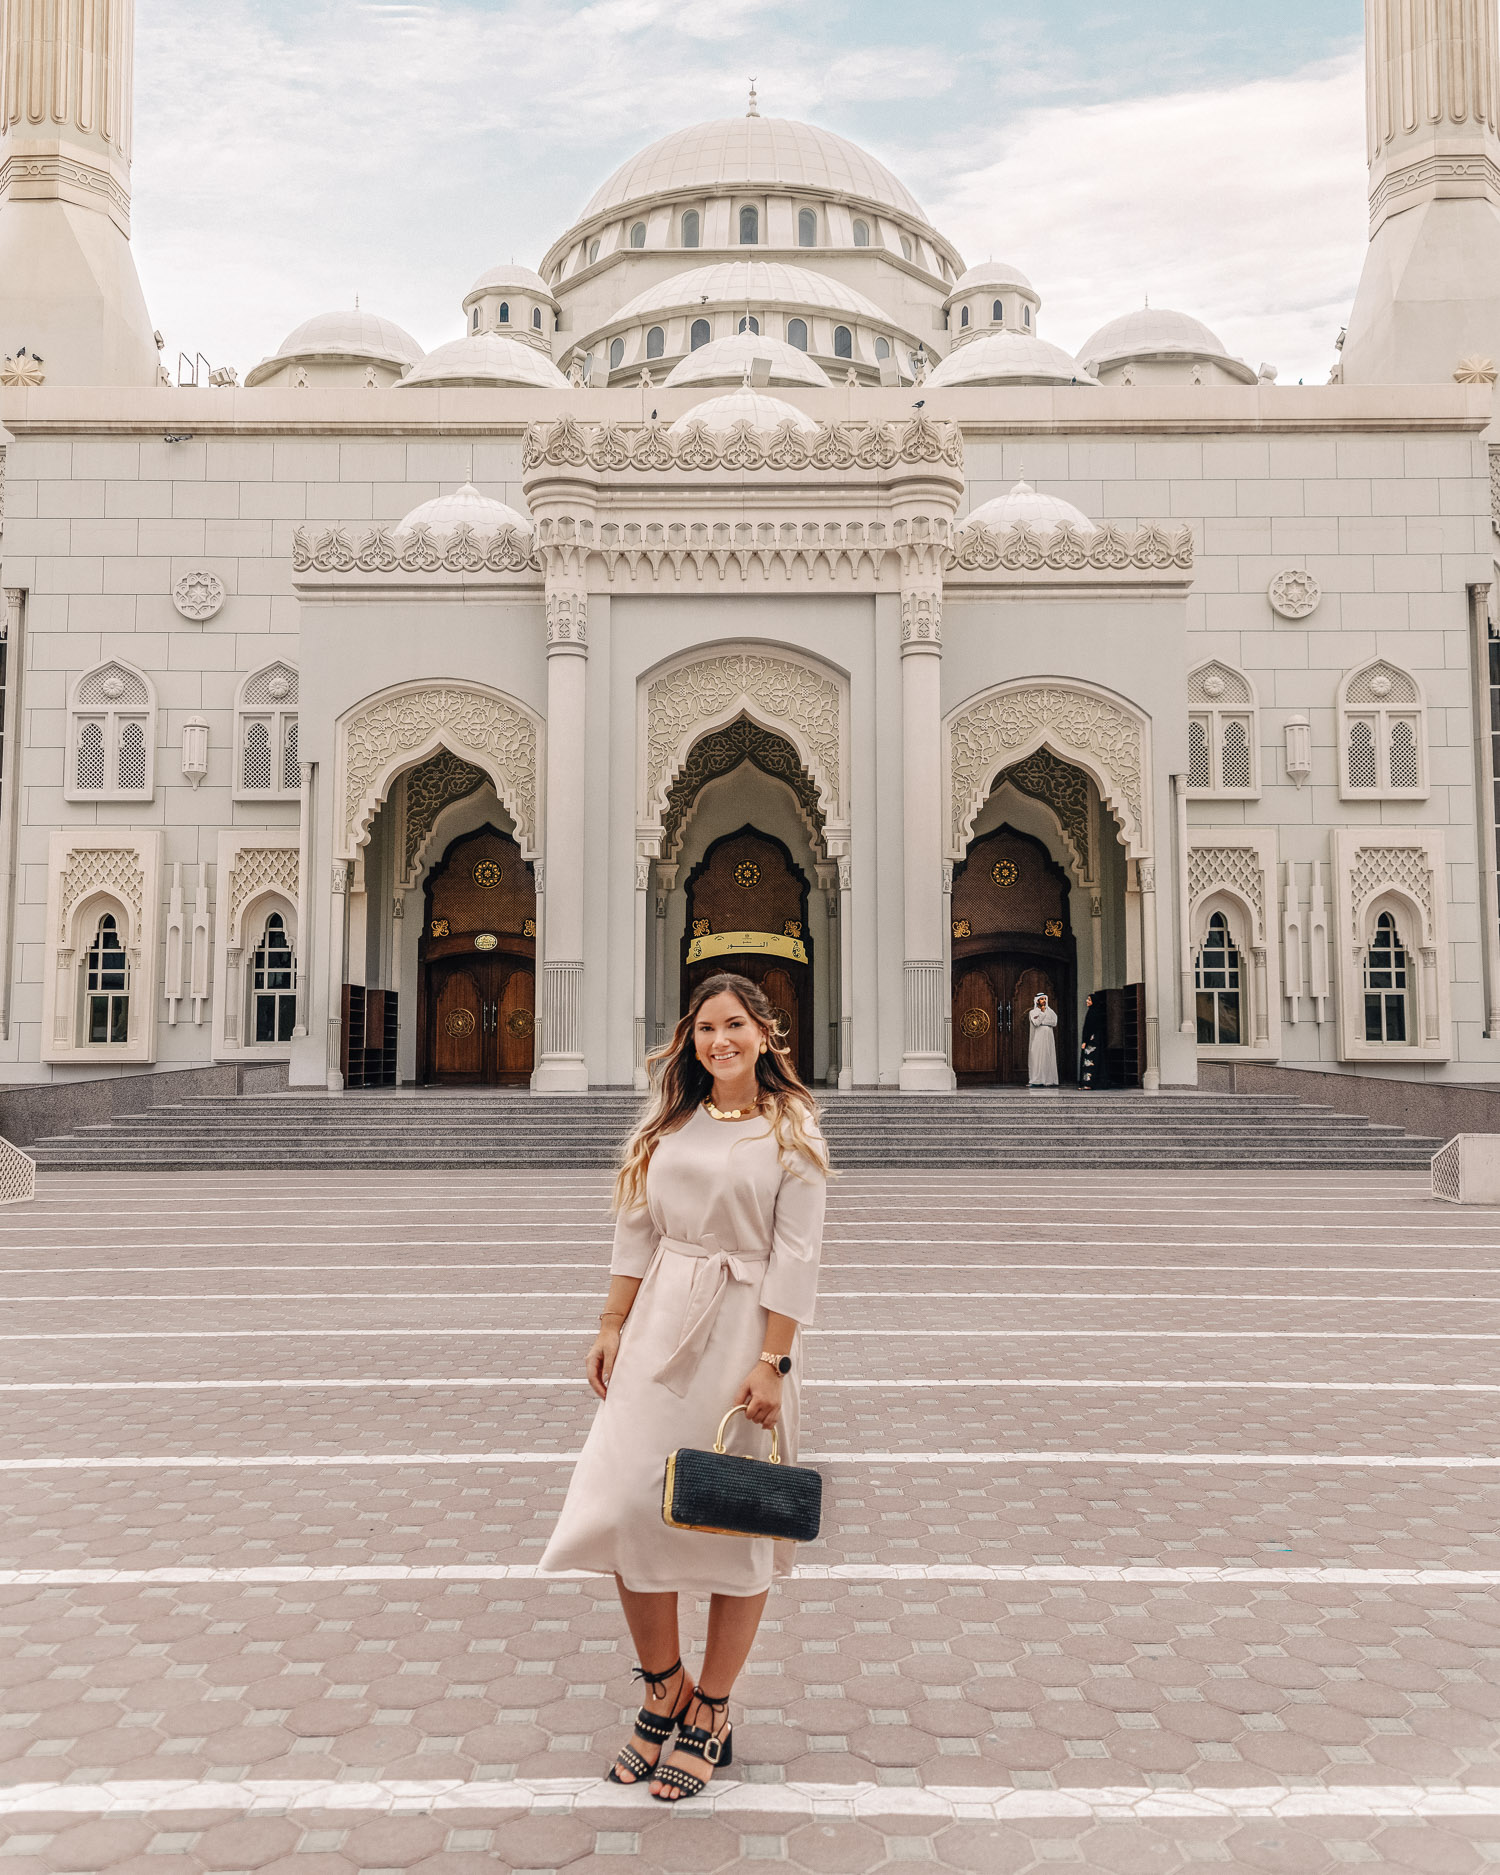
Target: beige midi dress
728	1230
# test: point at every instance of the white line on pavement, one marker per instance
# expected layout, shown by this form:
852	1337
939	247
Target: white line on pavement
1145	1574
991	1261
768	1802
377	1383
362	1296
339	1461
464	1331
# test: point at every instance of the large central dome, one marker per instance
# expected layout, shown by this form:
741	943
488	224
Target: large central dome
754	152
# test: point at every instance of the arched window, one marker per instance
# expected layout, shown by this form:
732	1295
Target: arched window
266	765
749	227
1382	734
656	342
273	984
690	226
593	252
807	228
749	323
1026	317
1385	984
1223	742
882	348
997	312
861	234
638	235
536	317
616	354
474	326
106	995
907	251
504	316
796	333
112	733
963	317
843	342
1217	981
702	333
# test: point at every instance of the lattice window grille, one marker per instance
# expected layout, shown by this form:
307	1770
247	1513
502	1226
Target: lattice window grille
1222	731
17	1175
266	728
1363	772
257	769
132	758
1235	753
291	767
1405	769
1383	730
91	756
1447	1173
1200	770
112	726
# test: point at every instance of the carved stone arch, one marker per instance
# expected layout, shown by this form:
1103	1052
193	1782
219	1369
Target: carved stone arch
399	728
1400	873
1238	911
719	752
1087	727
1233	872
1063	789
786	692
431	788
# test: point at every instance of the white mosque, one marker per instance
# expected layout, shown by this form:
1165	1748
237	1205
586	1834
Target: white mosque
751	585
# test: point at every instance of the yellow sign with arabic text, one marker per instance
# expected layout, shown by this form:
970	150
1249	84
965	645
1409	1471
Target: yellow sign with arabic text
728	943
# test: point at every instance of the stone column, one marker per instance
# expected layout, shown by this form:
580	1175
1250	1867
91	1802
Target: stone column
924	1061
561	1067
1096	923
1184	909
12	615
666	878
640	924
948	958
1150	974
338	909
846	976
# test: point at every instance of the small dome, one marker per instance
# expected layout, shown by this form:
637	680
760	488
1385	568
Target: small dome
1024	506
730	153
1155	332
1008	358
721	414
464	507
993	273
487	358
752	283
513	279
350	335
725	361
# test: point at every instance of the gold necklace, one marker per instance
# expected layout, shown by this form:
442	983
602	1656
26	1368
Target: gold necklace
735	1113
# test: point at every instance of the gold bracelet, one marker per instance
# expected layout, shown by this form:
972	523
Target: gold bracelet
611	1315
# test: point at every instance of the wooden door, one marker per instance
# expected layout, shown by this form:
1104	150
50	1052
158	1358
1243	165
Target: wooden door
458	1039
976	1027
1029	981
514	1028
782	994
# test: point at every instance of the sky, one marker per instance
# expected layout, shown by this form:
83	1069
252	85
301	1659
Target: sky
302	152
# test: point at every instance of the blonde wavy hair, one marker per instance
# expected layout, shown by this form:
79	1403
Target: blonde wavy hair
682	1084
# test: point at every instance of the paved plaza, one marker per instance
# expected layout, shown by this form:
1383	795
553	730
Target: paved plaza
1160	1532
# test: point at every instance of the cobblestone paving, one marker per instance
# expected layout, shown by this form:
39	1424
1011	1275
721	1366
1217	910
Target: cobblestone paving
1161	1531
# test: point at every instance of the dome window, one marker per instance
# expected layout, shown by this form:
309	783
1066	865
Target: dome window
536	318
750	323
749	227
882	348
861	234
796	333
843	342
616	354
963	317
690	226
505	312
593	252
1026	317
638	235
997	312
906	248
701	334
807	228
656	342
474	324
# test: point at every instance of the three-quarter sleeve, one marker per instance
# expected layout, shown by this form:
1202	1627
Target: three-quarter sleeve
636	1238
791	1281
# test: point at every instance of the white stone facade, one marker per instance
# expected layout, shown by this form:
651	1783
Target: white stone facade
1216	687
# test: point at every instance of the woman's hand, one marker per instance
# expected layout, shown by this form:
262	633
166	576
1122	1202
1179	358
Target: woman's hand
601	1362
761	1395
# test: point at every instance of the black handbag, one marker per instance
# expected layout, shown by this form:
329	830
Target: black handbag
726	1495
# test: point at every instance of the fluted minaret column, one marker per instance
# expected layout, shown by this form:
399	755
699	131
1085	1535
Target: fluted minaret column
926	994
560	1066
1428	306
69	292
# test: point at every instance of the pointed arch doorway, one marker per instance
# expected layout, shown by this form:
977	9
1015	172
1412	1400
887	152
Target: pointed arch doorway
477	1015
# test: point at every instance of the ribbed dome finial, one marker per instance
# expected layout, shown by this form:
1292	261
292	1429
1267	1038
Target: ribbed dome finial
754	110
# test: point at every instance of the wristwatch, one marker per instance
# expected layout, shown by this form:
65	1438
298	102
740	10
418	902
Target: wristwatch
781	1362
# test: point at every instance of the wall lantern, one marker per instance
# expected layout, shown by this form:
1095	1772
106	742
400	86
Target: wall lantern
1298	748
195	749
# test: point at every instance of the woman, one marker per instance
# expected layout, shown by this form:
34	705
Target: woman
719	1226
1091	1055
1042	1059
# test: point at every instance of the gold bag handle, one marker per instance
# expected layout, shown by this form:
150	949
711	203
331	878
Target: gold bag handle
719	1435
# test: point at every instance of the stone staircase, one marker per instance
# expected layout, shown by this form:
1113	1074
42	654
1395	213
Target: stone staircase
415	1129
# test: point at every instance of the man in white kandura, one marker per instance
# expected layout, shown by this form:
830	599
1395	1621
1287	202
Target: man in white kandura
1042	1059
719	1229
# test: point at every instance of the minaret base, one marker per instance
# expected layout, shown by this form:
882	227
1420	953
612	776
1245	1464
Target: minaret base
1429	297
69	292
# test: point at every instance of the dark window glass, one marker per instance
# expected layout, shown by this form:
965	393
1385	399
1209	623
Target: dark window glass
656	342
505	312
690	228
273	983
701	333
749	227
1217	973
107	985
843	342
861	234
807	228
796	333
638	235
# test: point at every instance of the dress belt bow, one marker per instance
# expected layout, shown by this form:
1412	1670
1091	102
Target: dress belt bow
712	1277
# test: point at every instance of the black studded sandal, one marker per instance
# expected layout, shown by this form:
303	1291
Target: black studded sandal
652	1728
716	1749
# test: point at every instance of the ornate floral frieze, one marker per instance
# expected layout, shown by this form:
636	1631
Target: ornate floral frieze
813	547
471	723
1107	739
508	550
653	447
720	752
1070	549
